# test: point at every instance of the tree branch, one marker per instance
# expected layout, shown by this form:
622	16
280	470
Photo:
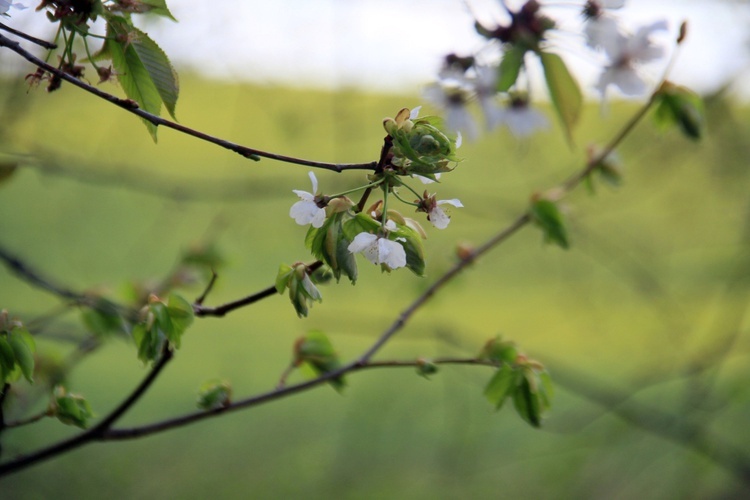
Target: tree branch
132	107
94	433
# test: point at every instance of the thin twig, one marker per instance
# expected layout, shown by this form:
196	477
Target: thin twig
94	433
32	277
219	311
145	430
132	107
38	41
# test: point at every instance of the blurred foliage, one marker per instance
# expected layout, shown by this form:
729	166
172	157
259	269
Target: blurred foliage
650	300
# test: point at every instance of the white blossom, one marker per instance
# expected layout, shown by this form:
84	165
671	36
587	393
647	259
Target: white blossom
521	119
7	4
426	180
379	249
625	53
453	96
437	215
602	32
307	211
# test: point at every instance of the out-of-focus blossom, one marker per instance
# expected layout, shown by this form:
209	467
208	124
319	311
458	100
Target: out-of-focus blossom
5	5
626	52
453	97
521	119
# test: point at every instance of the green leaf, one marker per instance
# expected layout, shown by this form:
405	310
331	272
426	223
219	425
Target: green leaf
412	246
501	385
145	73
159	69
527	403
72	409
499	351
163	322
426	368
23	346
181	315
510	67
563	90
330	244
214	394
159	7
7	360
282	277
547	216
147	342
680	106
316	351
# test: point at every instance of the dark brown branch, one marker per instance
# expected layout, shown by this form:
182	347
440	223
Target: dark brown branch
278	393
23	271
95	433
219	311
42	43
132	107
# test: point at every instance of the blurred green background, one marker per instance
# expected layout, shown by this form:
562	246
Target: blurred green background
641	323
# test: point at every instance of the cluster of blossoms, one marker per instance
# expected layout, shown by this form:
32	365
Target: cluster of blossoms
625	51
499	82
415	148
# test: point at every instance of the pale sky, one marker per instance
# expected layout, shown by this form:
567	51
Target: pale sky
392	45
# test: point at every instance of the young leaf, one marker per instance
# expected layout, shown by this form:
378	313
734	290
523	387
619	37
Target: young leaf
501	385
527	403
181	315
214	394
563	90
7	360
329	244
145	73
159	7
316	352
282	277
677	105
411	240
24	347
71	409
548	217
510	67
159	69
499	351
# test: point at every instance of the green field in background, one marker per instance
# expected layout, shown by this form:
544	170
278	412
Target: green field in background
643	292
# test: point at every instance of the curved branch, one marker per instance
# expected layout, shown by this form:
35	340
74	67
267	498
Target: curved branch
132	107
201	311
278	393
94	433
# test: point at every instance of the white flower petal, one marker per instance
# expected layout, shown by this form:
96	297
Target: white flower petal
455	202
414	113
314	182
304	195
425	180
391	253
439	218
307	212
361	241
